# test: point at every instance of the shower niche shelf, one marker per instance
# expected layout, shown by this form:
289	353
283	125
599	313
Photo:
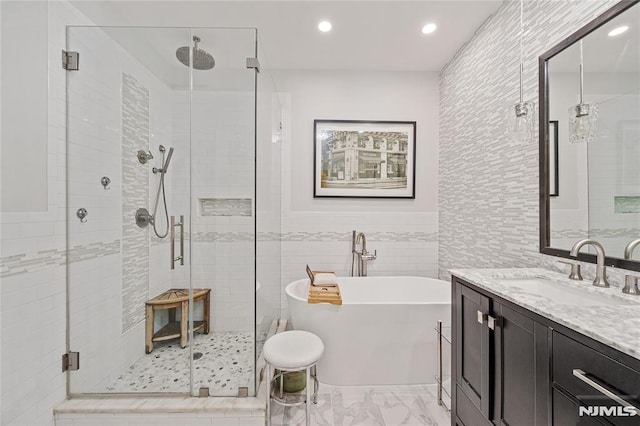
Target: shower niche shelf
226	206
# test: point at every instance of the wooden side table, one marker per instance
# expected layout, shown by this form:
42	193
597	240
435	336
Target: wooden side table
172	299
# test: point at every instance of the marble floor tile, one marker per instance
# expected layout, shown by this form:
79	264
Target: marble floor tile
368	406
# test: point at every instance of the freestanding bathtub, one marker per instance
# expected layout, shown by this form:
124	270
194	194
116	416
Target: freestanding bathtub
382	334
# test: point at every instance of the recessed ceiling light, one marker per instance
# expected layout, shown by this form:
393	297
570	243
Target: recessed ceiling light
324	26
617	31
429	28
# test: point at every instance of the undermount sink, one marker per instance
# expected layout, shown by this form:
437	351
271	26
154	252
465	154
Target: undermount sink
562	293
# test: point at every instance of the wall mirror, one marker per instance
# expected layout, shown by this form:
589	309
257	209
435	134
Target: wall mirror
591	188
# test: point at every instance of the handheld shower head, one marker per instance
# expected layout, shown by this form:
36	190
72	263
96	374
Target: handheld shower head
165	166
165	161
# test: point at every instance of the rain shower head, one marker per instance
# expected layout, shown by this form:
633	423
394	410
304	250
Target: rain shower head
202	60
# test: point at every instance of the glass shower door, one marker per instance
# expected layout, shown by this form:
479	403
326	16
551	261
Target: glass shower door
223	205
127	160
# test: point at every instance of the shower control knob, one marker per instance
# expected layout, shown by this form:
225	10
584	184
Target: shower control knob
143	218
82	214
144	156
105	182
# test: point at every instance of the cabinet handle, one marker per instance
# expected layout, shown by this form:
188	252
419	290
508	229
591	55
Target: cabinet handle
583	376
493	322
481	317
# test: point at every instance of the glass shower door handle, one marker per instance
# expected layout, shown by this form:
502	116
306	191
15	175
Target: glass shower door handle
180	258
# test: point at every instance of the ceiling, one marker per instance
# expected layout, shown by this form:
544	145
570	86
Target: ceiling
366	35
602	53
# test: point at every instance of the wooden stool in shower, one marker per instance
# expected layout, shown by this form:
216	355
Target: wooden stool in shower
172	299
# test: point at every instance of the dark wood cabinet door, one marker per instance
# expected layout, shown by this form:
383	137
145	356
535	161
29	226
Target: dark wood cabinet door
519	348
472	350
565	412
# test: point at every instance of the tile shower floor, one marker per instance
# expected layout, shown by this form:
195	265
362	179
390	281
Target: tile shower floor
368	406
226	363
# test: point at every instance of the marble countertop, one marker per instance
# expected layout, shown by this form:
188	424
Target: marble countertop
614	322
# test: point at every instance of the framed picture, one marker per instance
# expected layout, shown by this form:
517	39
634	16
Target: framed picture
554	186
372	159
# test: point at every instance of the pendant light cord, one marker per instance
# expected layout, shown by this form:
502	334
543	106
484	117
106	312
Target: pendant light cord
581	74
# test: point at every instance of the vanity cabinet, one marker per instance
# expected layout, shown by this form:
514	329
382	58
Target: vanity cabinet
583	375
501	362
514	367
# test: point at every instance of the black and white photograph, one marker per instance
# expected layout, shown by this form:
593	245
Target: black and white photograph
374	159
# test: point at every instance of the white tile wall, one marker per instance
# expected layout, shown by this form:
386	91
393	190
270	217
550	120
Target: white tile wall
32	308
221	129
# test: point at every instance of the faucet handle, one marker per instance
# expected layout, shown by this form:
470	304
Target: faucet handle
631	285
575	269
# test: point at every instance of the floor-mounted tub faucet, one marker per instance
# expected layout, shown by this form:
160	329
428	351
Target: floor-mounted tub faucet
601	272
630	281
360	258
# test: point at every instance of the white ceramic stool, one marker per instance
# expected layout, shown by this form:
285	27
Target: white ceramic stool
294	350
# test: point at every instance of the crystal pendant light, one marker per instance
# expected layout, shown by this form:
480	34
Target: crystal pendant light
521	127
582	117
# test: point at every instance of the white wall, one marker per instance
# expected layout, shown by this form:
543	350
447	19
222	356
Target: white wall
317	231
24	107
33	272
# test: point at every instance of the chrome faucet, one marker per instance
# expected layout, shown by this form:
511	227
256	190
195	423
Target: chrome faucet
601	273
630	281
362	256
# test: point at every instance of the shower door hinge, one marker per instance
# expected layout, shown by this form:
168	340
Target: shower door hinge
70	61
253	63
71	361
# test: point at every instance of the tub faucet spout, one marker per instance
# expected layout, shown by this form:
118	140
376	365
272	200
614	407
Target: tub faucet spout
360	258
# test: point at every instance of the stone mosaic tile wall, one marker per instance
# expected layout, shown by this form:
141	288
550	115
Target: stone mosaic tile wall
135	193
225	206
25	263
488	191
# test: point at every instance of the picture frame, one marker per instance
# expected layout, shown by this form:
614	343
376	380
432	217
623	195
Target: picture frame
364	159
554	184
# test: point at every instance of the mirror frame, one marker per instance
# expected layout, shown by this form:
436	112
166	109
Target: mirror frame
543	78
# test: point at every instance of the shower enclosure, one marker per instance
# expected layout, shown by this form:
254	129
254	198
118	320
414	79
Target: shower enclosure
173	210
